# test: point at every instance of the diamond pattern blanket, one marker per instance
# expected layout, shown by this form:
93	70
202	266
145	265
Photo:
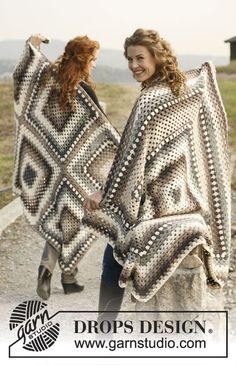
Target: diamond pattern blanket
168	191
60	157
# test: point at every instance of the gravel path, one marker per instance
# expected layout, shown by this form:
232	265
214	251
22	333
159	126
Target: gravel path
20	253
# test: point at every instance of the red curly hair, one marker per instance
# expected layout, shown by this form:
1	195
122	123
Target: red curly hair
72	67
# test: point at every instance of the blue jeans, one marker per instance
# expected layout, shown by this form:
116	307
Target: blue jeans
110	268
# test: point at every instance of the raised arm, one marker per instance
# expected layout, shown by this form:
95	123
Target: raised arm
37	39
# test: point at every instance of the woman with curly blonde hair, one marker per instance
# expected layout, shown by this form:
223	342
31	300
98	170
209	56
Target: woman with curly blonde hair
152	62
157	209
145	49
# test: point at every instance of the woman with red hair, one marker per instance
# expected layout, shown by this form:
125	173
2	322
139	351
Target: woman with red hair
64	149
70	69
73	67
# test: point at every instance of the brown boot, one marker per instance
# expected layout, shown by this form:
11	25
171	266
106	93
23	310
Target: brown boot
72	288
69	282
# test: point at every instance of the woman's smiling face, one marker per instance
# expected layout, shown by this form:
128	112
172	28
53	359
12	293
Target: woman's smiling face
141	63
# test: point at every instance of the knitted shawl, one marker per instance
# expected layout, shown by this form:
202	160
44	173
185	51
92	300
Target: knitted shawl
60	157
168	190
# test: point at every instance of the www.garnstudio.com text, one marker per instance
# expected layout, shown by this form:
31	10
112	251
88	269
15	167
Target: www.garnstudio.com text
162	343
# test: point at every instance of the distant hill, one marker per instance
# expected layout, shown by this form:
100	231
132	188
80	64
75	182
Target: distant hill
12	49
111	64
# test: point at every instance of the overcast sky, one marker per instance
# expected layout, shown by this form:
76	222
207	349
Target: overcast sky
191	26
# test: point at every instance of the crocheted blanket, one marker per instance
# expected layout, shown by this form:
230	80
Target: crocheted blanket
168	191
60	157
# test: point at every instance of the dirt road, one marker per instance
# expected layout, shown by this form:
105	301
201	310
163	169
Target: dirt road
20	253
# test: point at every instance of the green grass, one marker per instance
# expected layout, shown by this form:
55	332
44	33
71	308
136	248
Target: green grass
229	69
6	141
228	92
6	163
5	198
119	101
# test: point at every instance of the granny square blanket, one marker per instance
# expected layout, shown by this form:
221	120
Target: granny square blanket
168	191
60	157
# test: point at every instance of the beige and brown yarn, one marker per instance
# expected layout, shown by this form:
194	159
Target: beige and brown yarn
60	157
168	190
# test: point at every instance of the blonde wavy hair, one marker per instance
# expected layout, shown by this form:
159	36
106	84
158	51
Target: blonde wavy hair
167	69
